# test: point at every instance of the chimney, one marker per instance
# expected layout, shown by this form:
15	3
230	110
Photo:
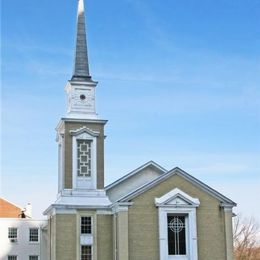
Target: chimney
28	210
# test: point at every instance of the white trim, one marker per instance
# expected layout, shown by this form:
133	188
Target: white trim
86	239
192	251
63	120
93	216
82	130
85	120
38	237
119	208
64	211
61	161
87	182
228	209
186	176
165	199
104	212
186	209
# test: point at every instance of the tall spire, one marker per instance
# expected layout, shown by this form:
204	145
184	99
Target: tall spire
81	66
81	88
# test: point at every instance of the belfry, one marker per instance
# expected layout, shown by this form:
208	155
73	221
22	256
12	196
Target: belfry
150	213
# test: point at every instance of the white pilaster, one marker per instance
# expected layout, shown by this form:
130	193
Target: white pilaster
229	232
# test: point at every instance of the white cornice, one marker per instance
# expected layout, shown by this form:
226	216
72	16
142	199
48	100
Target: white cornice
80	199
120	206
226	207
72	209
79	120
81	83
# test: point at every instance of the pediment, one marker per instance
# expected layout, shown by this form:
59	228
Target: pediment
134	180
177	198
84	130
224	201
178	201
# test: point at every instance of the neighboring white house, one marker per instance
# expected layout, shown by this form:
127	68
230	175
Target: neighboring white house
22	238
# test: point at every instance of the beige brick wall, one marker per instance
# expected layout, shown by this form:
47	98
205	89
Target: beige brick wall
66	237
143	231
104	237
143	223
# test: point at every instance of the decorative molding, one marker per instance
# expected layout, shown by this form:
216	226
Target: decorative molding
64	211
59	137
81	99
82	193
86	120
119	207
177	198
84	182
91	82
82	130
188	209
226	207
192	247
72	208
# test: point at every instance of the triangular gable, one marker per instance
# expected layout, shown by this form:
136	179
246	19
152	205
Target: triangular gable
177	171
135	172
177	198
83	130
133	180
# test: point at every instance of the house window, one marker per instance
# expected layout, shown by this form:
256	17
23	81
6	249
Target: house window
12	257
12	233
33	257
86	225
83	158
176	234
34	235
86	252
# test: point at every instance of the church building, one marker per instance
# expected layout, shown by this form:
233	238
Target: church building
149	214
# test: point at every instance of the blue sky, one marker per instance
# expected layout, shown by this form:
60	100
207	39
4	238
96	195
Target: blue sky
179	82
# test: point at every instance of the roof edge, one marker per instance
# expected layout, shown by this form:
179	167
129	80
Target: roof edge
185	175
134	172
17	206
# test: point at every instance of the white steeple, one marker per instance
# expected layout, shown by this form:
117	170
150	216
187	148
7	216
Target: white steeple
80	136
81	88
